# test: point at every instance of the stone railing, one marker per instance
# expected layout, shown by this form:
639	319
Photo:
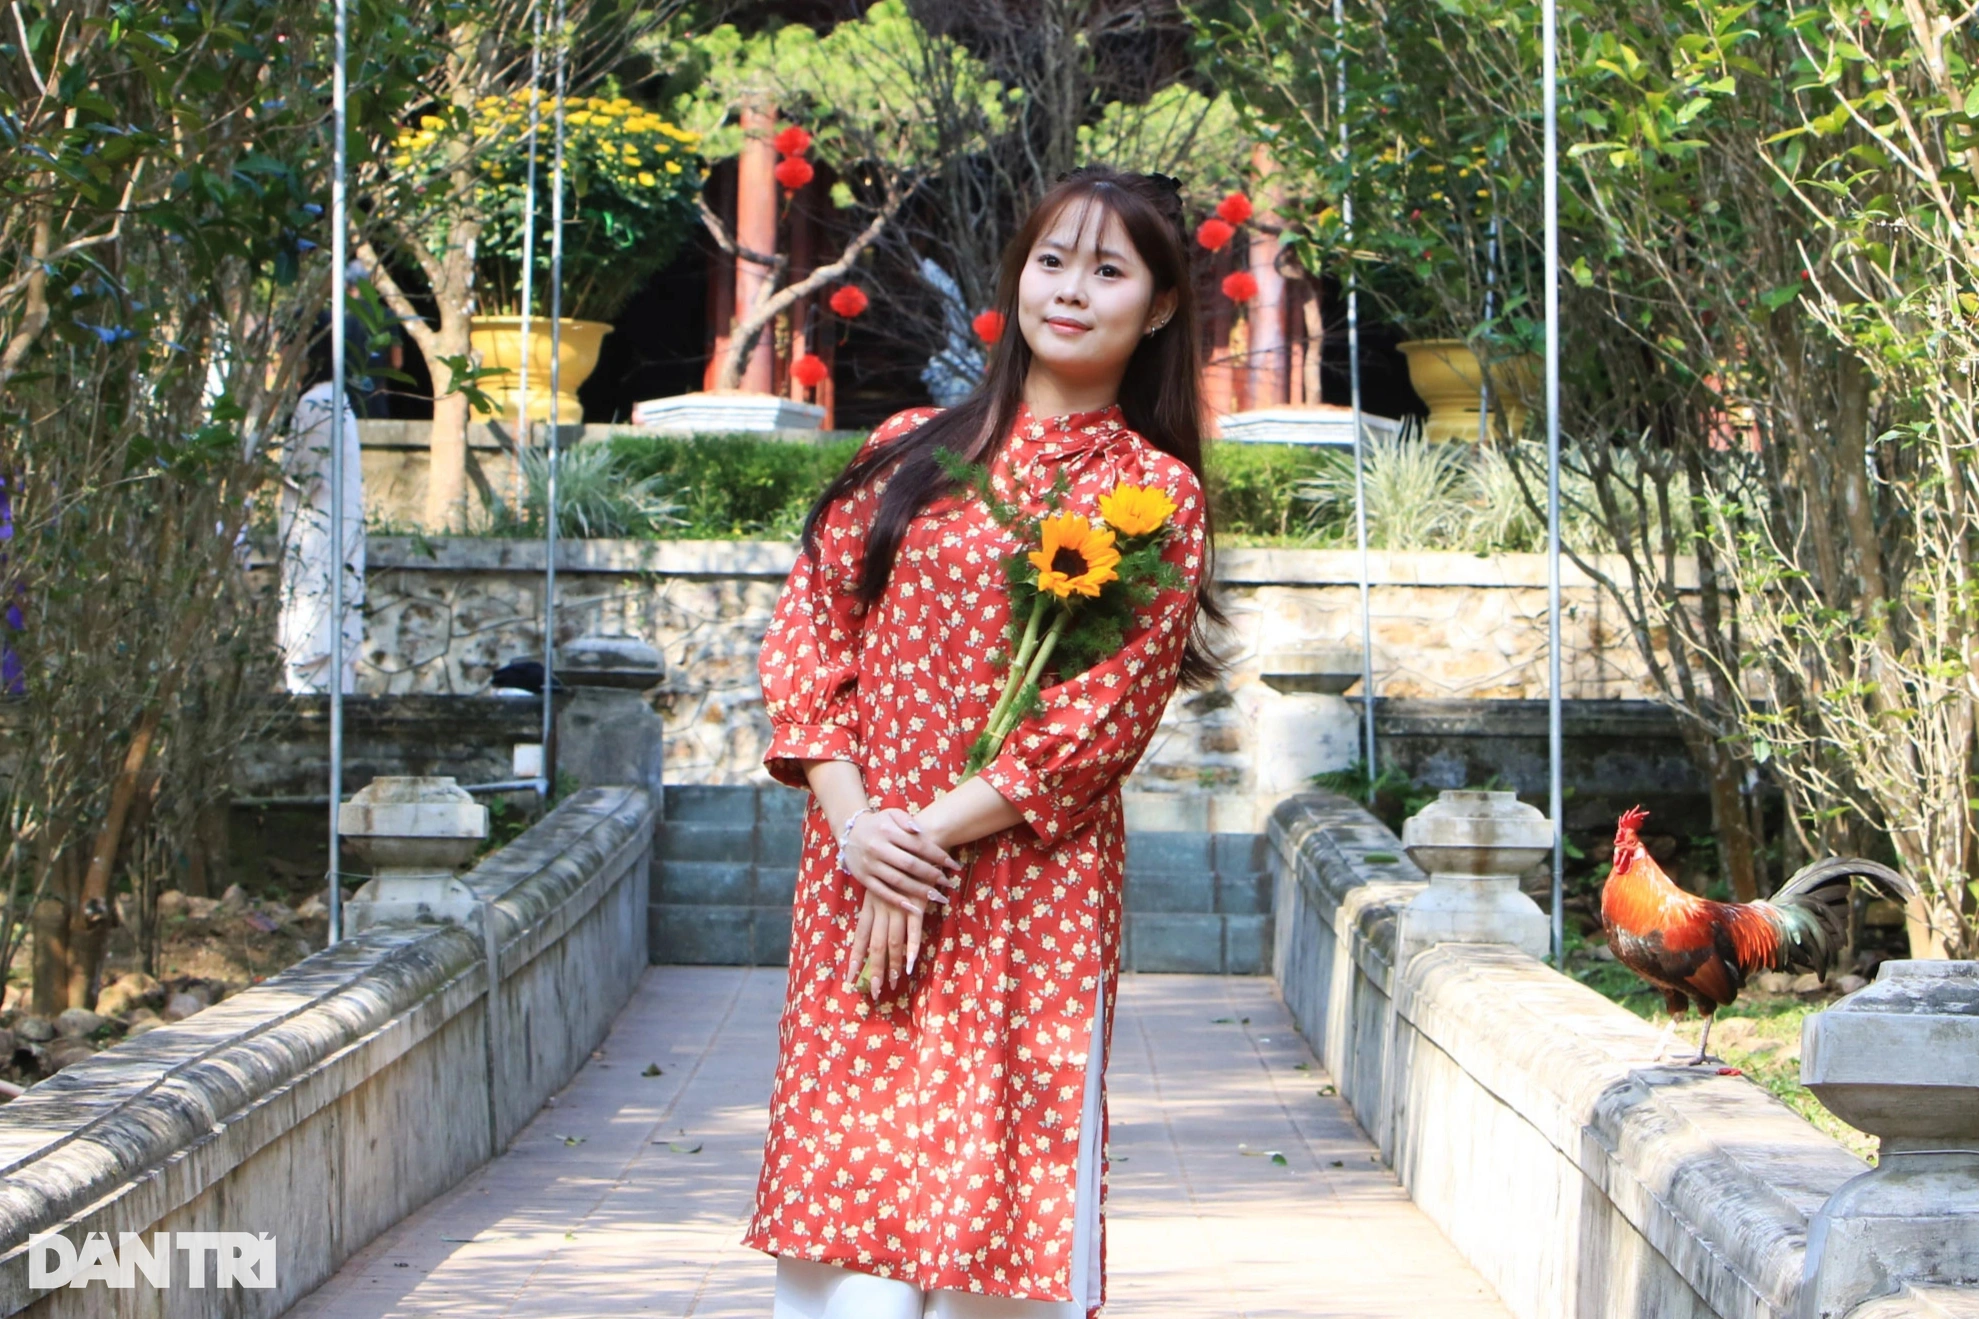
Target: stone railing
333	1099
1524	1112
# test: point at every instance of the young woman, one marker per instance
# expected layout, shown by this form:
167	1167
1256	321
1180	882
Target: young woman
936	1143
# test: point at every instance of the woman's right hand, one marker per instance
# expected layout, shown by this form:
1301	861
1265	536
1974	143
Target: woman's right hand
897	863
886	943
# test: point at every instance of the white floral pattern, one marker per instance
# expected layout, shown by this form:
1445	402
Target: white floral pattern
933	1136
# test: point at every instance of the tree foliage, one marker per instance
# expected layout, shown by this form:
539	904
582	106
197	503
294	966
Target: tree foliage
1761	281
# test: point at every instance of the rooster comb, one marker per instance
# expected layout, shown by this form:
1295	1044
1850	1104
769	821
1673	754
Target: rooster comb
1632	820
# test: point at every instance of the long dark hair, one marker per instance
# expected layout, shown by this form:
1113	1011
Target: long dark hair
1159	395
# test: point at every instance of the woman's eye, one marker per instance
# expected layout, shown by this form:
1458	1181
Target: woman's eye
1048	260
1109	270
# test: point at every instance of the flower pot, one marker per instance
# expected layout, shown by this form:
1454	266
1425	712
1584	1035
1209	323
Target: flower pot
497	341
1446	375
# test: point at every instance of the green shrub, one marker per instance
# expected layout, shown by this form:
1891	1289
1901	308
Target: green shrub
735	486
1251	488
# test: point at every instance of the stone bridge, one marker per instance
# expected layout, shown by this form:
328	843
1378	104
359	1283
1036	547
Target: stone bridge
1361	1099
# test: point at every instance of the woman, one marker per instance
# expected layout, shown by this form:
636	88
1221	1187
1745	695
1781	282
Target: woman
936	1141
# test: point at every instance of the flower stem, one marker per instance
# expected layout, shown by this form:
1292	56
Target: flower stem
1013	682
1000	728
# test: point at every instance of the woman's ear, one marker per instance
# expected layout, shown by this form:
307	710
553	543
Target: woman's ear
1160	310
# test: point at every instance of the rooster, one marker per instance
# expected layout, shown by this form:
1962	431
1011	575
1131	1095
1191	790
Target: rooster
1692	948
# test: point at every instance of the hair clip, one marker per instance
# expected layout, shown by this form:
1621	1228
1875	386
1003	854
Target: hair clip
1168	181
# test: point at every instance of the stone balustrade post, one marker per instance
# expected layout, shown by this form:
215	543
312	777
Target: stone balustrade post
417	833
1474	846
1900	1061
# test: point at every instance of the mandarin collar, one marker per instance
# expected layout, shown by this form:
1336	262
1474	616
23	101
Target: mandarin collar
1068	432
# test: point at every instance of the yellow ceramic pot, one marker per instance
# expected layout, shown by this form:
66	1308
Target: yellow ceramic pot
497	341
1446	374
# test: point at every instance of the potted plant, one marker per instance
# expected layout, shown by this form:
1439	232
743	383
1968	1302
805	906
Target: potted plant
1446	375
630	178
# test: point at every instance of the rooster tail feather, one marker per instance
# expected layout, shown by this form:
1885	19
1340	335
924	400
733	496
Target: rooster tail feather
1811	910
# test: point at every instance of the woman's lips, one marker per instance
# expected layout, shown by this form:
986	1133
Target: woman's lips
1065	326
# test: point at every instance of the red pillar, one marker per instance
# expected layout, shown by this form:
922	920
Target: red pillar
1266	364
801	311
755	230
1219	384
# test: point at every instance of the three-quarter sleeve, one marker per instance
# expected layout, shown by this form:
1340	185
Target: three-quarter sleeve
1090	729
809	664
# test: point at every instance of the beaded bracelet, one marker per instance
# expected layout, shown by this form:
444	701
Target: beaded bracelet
845	836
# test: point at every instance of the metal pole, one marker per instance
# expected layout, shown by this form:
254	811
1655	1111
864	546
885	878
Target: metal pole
1490	310
1550	60
1354	393
549	779
522	426
339	294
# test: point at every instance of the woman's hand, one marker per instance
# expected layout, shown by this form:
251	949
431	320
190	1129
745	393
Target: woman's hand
885	945
898	862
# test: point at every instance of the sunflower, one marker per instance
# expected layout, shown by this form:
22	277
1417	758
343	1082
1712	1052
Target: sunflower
1075	556
1136	510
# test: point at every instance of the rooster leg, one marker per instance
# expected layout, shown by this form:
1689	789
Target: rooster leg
1702	1041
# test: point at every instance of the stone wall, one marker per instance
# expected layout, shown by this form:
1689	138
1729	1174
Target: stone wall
442	614
338	1096
1524	1113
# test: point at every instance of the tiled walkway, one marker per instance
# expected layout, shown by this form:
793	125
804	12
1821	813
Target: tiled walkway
628	1194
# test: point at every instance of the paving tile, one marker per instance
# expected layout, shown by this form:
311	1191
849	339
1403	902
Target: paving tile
707	842
1187	851
707	883
699	935
1170	891
1203	1083
1178	943
710	803
1243	895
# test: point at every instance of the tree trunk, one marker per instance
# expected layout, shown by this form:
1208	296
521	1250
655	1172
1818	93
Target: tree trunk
446	471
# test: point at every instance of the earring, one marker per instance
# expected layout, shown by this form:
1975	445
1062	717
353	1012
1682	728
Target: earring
1149	332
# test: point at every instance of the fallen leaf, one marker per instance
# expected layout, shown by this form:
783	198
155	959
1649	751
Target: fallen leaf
1279	1159
683	1146
1221	1021
569	1140
652	1069
1338	1163
456	1239
1730	1071
1302	1067
1328	1092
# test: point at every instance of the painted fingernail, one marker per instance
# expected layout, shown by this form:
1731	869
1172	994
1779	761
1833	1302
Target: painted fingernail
938	895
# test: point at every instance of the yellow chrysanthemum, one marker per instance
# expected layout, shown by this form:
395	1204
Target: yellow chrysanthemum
646	180
1136	510
1074	556
673	167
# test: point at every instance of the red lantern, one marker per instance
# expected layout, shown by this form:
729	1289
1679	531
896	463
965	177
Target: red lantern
1240	286
988	326
792	141
793	172
809	370
1235	208
1213	234
849	301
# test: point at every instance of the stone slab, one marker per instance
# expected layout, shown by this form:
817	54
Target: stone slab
623	1222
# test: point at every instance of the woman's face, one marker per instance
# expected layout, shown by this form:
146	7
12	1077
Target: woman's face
1086	298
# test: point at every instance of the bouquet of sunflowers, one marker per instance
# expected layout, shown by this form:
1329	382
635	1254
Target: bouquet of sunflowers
1074	587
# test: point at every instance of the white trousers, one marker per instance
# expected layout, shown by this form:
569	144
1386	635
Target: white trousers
806	1289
